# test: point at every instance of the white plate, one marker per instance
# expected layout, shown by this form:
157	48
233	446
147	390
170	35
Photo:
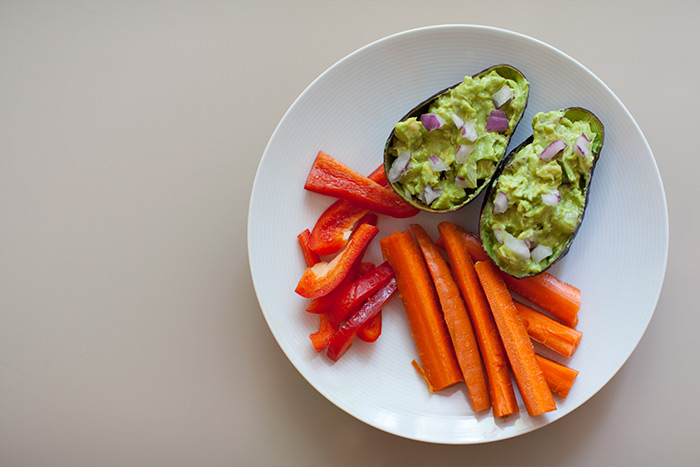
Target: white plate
618	259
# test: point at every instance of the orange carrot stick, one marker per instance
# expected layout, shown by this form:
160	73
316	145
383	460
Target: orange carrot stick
457	319
560	299
559	377
420	300
492	351
521	354
546	331
473	244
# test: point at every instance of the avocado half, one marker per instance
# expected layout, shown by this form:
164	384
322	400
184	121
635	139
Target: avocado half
506	71
485	232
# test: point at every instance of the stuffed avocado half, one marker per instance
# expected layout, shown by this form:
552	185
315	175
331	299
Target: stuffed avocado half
445	151
535	205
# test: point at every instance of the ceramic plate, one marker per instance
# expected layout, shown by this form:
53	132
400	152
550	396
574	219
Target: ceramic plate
618	259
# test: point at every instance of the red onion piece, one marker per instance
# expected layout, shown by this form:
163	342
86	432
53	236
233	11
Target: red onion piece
540	252
461	182
459	123
437	164
430	194
502	96
469	131
499	234
500	203
581	147
517	246
552	198
431	121
497	121
398	167
463	151
552	150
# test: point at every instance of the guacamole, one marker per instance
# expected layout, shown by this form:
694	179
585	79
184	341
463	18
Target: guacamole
538	200
444	157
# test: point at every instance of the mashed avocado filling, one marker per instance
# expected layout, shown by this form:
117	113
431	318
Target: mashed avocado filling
539	203
453	154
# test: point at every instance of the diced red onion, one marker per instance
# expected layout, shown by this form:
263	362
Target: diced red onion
502	96
459	123
552	198
517	246
469	131
581	147
398	167
500	203
430	194
499	234
437	164
497	121
463	151
540	252
461	182
431	121
552	150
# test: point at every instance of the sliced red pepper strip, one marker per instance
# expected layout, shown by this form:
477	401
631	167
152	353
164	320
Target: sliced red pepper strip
371	331
334	227
323	304
358	291
366	267
310	256
321	338
333	178
319	279
342	339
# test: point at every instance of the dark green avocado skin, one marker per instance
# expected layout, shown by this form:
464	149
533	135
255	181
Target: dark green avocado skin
573	113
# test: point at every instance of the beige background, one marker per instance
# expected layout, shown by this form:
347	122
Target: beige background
130	134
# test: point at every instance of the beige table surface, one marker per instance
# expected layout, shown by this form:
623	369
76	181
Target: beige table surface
130	134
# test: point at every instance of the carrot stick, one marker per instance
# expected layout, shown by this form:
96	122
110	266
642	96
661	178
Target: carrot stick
559	378
560	299
546	331
457	319
521	354
473	244
420	300
492	351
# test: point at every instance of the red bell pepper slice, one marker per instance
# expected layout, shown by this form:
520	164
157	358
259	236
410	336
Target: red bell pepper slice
342	339
310	256
321	338
371	331
322	305
319	279
333	228
333	178
358	291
